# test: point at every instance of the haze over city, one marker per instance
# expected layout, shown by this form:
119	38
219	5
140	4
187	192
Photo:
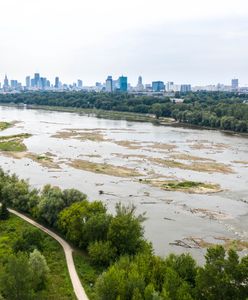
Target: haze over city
196	42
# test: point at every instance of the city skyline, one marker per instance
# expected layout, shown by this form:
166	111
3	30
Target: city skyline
198	42
52	80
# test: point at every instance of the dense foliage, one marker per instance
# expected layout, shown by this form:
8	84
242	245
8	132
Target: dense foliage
114	243
227	111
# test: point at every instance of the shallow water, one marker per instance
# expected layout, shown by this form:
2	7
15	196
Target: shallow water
159	205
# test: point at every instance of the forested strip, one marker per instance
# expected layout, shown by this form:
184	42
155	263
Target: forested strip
226	111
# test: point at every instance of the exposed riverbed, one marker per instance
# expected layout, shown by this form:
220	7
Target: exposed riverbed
133	162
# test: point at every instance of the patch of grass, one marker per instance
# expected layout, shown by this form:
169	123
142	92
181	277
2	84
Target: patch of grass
59	285
87	273
4	125
103	168
13	143
193	187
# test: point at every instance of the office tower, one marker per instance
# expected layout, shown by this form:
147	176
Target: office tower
169	86
109	84
235	84
56	83
185	88
6	82
37	80
140	85
28	82
32	83
158	86
80	84
13	84
122	83
43	83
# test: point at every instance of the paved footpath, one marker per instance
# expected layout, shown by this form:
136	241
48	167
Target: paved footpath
77	286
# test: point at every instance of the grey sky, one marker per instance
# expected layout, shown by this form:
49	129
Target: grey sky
193	41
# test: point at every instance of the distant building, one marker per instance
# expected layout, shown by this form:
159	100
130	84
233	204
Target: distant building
56	85
185	88
235	84
28	82
37	80
170	86
158	86
109	84
140	86
122	83
6	82
14	84
43	83
80	83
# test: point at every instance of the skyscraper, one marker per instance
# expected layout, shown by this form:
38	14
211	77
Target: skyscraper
28	82
80	84
123	83
158	86
109	84
169	86
6	82
235	84
185	88
56	83
37	80
140	85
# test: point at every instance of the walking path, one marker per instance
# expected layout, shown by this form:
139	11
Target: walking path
77	286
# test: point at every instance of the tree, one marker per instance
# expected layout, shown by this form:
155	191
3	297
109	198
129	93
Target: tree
102	253
16	279
222	278
84	222
31	238
157	110
39	269
4	213
126	231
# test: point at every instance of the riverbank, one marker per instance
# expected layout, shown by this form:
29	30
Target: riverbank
127	116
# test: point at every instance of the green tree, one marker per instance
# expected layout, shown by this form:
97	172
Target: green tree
102	253
126	230
39	270
16	279
4	213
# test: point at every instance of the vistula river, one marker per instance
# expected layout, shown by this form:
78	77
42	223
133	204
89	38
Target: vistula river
176	221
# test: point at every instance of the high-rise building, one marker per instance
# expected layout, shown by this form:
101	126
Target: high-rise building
109	84
56	83
140	86
235	84
185	88
28	82
158	86
43	83
37	80
6	82
122	83
169	86
13	84
80	83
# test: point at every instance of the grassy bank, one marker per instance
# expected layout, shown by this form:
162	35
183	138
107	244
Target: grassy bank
4	125
13	143
59	284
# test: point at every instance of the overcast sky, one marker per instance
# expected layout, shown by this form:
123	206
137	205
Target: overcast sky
185	41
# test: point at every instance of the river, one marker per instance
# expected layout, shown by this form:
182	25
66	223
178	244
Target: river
172	216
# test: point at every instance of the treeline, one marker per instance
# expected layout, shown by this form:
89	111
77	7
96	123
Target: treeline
218	110
116	243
